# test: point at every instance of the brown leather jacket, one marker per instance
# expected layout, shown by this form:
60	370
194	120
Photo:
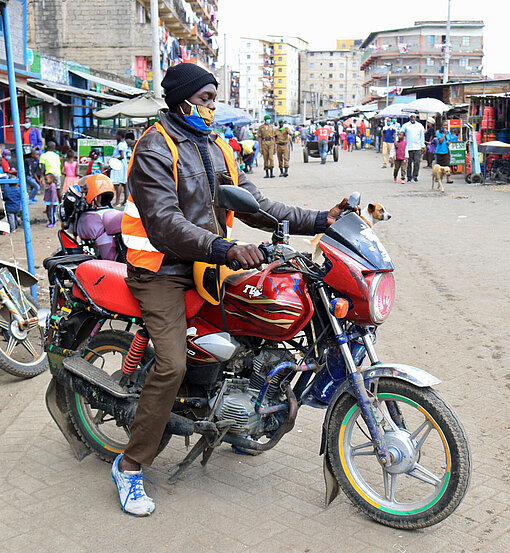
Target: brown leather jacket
184	223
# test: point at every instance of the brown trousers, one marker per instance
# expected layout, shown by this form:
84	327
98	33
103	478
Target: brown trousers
267	148
161	300
283	155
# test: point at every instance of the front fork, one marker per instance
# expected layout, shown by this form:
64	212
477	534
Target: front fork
357	382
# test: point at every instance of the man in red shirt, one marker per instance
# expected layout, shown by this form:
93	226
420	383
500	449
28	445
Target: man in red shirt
323	133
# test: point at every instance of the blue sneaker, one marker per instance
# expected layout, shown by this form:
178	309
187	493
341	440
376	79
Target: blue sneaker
132	496
32	201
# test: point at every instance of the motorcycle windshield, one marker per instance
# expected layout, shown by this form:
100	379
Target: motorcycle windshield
353	236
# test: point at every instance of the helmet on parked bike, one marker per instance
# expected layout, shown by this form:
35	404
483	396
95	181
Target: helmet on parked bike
98	190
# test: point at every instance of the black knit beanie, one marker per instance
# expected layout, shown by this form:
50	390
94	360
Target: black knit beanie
183	80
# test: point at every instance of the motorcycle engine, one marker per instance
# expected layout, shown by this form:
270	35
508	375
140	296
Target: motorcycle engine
238	401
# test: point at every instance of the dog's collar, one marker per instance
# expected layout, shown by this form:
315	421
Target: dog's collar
369	224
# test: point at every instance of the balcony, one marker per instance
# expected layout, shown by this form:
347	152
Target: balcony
203	9
173	17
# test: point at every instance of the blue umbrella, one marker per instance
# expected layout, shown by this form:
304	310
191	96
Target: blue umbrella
224	114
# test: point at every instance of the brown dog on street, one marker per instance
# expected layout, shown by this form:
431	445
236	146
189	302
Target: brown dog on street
371	214
438	173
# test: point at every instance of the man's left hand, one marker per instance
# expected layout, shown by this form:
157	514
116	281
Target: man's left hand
335	211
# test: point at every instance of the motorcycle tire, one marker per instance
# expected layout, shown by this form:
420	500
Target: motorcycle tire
104	437
408	494
18	366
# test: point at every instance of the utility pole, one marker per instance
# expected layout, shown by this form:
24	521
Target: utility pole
226	84
447	48
156	62
388	66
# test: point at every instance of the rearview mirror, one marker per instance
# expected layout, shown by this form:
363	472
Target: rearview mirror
237	199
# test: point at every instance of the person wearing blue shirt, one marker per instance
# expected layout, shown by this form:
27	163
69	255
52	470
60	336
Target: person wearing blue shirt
443	147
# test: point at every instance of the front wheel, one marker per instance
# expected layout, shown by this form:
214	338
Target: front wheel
305	155
431	465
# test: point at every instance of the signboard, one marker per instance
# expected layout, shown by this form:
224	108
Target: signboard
104	147
457	153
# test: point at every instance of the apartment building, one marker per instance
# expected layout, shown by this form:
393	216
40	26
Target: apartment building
269	75
330	78
413	56
113	37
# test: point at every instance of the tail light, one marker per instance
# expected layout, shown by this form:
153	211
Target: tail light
382	292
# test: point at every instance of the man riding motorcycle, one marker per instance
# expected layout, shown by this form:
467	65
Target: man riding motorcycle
170	221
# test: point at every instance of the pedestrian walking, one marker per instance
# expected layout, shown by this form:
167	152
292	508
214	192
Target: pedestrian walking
266	137
378	133
444	137
430	145
322	133
32	136
33	174
50	162
351	138
282	137
388	139
401	157
70	170
415	138
119	176
12	202
50	199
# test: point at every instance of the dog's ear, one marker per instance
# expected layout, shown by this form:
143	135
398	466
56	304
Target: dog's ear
371	208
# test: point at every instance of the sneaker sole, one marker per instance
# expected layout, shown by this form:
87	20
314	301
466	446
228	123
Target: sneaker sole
124	510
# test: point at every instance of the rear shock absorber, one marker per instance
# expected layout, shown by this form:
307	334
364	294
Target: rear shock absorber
136	351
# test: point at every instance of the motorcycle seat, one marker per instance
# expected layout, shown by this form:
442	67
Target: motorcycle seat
104	281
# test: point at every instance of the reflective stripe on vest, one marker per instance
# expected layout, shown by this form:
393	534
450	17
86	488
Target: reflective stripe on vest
141	253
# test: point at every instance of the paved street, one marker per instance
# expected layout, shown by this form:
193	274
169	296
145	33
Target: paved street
450	318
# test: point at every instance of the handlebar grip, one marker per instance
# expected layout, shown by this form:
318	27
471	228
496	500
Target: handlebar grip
234	265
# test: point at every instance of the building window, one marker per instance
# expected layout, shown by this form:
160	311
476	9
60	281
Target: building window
280	92
311	75
279	58
312	54
248	44
279	69
430	61
429	80
431	40
331	96
354	75
280	80
331	75
331	53
331	65
399	81
280	103
400	39
330	86
279	46
354	96
312	86
463	62
312	65
340	86
341	75
466	40
248	57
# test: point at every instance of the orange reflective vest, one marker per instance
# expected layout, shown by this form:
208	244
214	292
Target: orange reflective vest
140	252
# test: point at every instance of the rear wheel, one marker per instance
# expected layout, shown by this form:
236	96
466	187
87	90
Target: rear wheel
335	153
100	431
22	349
431	465
305	155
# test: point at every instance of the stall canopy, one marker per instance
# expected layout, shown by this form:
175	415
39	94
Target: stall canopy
74	90
147	105
394	110
426	105
35	93
124	88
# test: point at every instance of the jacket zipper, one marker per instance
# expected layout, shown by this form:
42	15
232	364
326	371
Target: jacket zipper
209	187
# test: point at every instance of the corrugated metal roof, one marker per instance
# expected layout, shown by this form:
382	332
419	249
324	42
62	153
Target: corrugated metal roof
126	89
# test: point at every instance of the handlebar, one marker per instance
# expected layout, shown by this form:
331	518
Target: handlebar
268	252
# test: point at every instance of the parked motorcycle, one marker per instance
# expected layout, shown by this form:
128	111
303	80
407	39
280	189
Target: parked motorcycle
22	324
266	343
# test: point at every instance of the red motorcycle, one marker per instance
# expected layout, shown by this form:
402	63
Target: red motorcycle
266	343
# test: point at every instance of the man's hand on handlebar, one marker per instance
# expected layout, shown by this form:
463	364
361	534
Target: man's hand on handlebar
335	211
248	256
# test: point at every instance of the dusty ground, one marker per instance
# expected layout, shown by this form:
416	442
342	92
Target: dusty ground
451	253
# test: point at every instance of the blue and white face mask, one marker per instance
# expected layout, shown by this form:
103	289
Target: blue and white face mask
200	117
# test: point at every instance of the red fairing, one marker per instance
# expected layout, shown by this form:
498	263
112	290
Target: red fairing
347	277
276	312
104	281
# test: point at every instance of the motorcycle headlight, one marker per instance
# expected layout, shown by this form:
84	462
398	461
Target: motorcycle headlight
382	293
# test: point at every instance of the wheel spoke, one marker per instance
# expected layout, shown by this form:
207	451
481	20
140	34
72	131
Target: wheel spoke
362	449
98	418
390	485
4	325
29	347
426	427
421	473
387	417
11	345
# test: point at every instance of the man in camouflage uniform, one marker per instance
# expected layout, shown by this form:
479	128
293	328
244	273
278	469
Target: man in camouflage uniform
266	139
282	148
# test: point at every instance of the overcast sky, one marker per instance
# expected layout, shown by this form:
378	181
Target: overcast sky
321	22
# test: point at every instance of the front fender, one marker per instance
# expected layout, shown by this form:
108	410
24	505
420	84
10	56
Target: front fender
413	375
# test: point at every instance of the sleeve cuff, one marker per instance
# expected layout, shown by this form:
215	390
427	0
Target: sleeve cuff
219	250
321	223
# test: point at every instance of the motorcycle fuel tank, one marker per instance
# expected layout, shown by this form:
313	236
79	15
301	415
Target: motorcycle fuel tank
276	309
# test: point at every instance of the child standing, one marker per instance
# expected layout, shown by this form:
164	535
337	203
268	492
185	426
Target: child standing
401	157
70	170
12	199
50	199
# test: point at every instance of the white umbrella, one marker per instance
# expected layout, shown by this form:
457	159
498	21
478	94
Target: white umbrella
427	105
394	110
146	105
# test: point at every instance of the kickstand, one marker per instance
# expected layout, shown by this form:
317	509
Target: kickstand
196	450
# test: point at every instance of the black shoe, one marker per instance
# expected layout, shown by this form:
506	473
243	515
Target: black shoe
286	172
266	176
271	175
415	179
409	180
281	173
